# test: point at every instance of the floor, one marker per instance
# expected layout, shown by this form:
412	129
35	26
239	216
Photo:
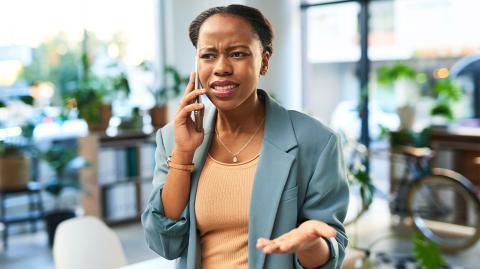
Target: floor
377	230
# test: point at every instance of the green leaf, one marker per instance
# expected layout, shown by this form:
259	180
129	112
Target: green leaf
427	253
447	90
442	109
26	99
387	75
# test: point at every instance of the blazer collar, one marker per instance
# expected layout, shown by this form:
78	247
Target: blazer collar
278	127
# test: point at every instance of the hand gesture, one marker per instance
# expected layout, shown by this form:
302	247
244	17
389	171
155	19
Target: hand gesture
299	239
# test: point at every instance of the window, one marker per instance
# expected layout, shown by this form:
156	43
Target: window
127	28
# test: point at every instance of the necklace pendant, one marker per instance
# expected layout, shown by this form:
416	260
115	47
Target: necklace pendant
235	159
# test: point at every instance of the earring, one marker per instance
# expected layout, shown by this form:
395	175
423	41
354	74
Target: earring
264	70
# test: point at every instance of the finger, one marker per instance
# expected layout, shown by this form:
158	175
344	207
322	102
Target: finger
268	248
191	84
285	246
271	248
186	110
190	97
294	242
262	242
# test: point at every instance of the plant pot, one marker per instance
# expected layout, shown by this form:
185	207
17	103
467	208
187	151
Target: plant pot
14	171
159	115
406	114
53	219
105	115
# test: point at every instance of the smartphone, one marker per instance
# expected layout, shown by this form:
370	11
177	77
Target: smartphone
197	113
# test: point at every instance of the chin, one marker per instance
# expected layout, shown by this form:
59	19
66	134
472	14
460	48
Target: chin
222	105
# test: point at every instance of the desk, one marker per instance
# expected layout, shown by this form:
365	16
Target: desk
464	143
152	264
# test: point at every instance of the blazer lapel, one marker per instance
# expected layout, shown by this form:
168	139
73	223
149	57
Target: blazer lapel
270	178
199	161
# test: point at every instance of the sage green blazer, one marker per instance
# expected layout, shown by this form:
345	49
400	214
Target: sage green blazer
300	176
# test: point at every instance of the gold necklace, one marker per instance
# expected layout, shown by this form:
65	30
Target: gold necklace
235	155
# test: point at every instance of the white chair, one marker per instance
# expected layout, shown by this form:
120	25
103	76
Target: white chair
86	242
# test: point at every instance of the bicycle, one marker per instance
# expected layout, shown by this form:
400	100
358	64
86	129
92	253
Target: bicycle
439	203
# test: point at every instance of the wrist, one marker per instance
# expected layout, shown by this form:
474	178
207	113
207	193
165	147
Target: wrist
309	257
182	157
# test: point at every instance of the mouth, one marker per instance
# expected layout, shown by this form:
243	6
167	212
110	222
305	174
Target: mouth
224	88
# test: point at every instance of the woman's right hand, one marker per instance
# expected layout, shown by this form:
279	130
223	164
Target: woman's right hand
187	139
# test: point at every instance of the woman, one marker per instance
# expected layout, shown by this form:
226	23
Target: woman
260	186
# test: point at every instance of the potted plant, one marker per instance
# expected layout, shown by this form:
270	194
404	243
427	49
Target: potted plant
447	93
16	117
87	99
14	167
65	163
403	78
174	86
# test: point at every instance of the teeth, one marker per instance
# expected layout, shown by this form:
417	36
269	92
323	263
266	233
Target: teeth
225	88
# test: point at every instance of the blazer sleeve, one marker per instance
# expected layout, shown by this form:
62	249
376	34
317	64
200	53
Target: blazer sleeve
326	199
165	236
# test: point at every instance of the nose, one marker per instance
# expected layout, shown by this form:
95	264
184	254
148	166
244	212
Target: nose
223	66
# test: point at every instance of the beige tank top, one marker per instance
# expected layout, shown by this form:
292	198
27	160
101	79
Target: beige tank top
221	209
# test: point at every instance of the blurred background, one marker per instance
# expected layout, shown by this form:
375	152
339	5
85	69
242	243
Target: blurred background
85	84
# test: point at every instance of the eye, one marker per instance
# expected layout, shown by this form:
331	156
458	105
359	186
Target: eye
208	56
238	54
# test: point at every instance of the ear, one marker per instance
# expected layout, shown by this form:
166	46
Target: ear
265	60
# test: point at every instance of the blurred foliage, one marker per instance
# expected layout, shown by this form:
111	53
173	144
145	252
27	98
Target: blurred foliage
55	60
367	189
427	253
387	75
446	93
175	82
65	163
68	66
444	90
408	137
27	99
355	155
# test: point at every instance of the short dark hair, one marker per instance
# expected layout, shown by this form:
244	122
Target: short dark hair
259	23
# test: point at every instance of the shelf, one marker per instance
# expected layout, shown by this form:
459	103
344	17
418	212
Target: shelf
119	182
31	187
33	216
115	190
123	221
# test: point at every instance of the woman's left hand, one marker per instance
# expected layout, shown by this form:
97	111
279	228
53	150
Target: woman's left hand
299	239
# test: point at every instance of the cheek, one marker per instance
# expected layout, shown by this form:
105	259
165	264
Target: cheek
204	73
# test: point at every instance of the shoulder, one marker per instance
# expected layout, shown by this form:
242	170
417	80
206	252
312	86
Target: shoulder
165	135
309	131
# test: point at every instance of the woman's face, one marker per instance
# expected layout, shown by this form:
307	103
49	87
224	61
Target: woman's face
230	58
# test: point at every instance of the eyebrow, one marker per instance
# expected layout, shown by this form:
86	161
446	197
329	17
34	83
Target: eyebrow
211	48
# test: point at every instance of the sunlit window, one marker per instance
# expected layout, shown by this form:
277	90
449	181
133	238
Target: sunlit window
126	29
429	35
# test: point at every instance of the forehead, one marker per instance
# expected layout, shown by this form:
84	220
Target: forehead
223	28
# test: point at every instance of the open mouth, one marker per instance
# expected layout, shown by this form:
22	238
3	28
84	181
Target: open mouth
224	88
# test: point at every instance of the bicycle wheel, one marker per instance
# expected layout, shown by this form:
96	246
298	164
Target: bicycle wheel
445	209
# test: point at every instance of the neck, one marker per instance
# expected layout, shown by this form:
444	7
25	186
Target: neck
244	118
